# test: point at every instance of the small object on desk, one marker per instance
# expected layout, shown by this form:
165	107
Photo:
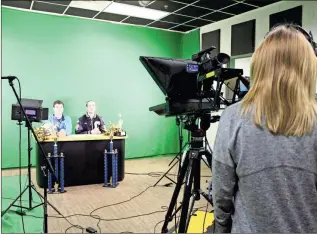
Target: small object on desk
121	133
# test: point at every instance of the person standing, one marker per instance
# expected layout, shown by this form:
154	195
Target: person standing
90	123
264	167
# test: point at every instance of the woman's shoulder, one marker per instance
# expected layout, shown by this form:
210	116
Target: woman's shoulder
232	112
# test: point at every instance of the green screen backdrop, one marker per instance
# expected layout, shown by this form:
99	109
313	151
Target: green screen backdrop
76	60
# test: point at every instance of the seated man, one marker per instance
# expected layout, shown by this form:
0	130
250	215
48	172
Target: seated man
62	124
90	123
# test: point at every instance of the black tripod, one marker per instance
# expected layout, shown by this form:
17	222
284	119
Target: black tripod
45	169
178	156
30	185
191	168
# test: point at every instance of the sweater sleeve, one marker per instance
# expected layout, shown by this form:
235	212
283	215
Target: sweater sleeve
224	178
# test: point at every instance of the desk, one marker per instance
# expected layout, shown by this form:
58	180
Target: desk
84	158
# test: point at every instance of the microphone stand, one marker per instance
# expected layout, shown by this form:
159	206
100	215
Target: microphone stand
47	167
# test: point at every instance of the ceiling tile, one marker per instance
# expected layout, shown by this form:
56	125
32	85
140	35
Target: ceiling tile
182	28
111	16
239	8
90	5
193	11
216	16
19	4
215	4
137	21
166	6
81	12
179	19
198	22
186	1
160	24
261	3
47	7
61	2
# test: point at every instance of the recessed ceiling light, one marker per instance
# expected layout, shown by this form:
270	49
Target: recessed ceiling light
130	10
90	5
144	3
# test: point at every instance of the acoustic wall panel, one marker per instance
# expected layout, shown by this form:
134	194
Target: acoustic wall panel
293	15
243	38
211	39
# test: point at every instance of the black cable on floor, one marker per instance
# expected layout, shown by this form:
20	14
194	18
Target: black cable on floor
108	220
82	229
158	174
205	217
98	223
118	203
164	209
98	218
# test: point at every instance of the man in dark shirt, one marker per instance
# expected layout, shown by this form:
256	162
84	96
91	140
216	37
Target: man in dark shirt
90	123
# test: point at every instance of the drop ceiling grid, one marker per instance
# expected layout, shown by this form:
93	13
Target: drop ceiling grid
181	15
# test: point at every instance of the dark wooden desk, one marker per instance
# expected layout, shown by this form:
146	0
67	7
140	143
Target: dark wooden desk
84	158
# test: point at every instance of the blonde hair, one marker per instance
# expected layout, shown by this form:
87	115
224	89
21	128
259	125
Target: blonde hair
283	83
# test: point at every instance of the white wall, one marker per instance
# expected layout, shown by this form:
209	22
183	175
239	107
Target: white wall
261	15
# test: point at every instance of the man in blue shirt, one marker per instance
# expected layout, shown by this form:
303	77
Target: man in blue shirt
63	124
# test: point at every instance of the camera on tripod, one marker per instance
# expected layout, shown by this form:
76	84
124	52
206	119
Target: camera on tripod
193	89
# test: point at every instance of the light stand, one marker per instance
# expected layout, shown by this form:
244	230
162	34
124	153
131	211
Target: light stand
178	155
47	167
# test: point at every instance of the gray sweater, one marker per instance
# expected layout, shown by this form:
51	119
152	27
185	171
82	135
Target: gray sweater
263	183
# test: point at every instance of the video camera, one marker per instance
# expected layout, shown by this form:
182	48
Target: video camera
193	87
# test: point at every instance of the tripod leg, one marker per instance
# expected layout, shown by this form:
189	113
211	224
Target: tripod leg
196	188
192	203
196	174
165	174
187	193
29	169
54	208
178	186
45	211
12	204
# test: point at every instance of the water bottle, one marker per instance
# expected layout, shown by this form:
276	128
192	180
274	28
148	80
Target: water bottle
120	122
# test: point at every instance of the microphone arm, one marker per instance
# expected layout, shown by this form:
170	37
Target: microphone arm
10	78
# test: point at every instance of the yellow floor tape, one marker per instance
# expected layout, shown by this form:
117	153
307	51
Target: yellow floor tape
197	221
